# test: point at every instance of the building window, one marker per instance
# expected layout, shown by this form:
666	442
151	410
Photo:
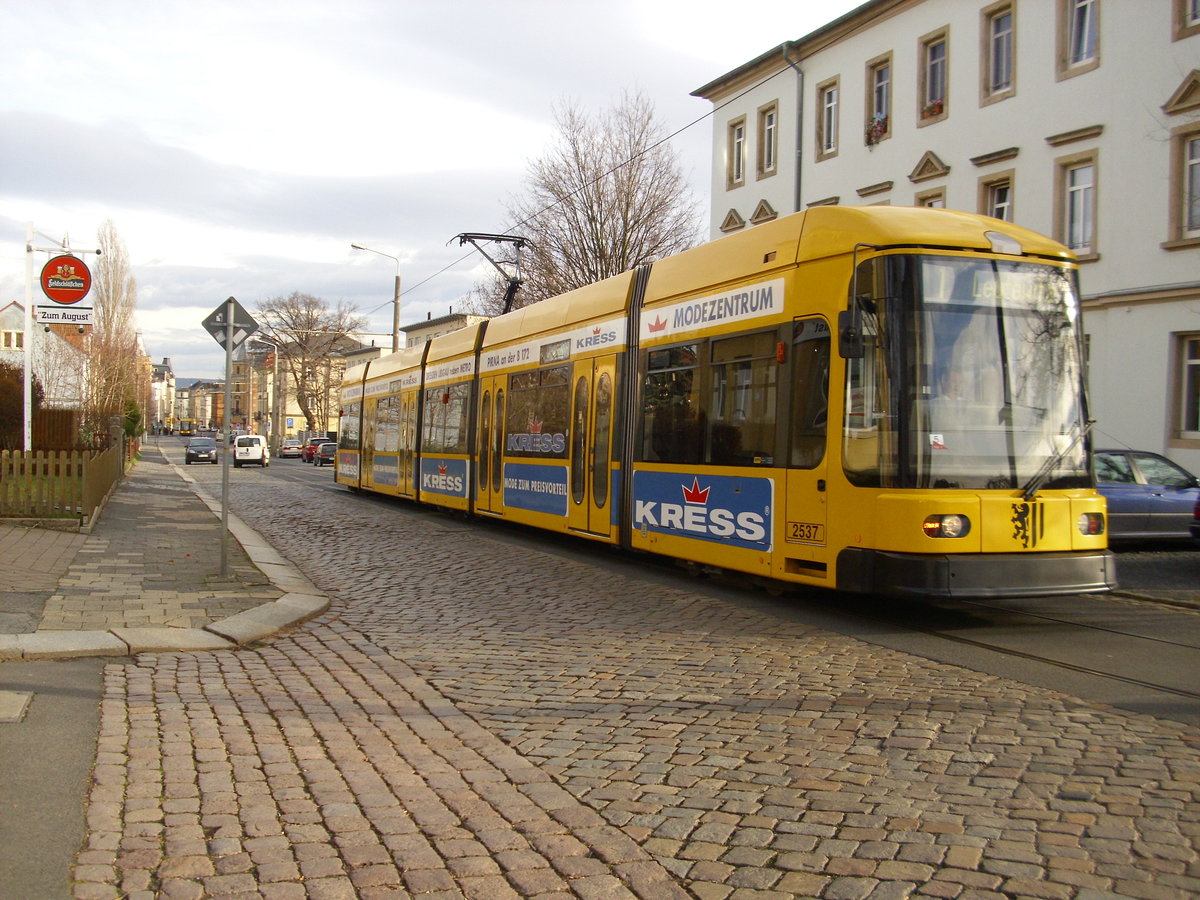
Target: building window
1076	213
931	199
1078	36
879	99
998	53
827	124
1191	186
935	61
768	140
1185	187
14	340
1186	18
1189	409
735	175
996	196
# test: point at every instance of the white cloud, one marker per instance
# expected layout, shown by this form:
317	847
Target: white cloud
240	147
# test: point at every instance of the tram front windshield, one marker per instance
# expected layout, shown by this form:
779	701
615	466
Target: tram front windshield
971	376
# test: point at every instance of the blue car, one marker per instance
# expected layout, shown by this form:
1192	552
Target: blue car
1149	497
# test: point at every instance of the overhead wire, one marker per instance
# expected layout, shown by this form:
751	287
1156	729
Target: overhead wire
598	178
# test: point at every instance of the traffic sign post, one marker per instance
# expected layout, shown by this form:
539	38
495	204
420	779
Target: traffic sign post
230	325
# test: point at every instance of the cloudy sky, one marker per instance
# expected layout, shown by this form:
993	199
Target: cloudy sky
241	147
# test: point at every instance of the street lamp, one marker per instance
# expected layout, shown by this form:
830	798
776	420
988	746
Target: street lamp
396	298
276	436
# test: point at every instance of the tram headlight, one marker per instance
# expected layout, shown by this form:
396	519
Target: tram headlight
1091	523
948	526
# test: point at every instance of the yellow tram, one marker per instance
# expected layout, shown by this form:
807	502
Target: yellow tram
873	399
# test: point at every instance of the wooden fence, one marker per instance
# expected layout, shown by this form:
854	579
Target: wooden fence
57	484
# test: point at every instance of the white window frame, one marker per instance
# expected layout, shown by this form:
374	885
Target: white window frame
1076	204
989	202
998	50
879	97
768	140
828	114
1185	19
934	92
1188	410
1190	160
735	174
1078	37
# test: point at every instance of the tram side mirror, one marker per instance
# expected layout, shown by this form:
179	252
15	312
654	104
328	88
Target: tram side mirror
850	339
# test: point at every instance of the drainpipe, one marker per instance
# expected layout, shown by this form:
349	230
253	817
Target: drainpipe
799	117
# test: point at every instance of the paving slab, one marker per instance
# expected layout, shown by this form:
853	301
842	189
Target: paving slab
13	705
68	644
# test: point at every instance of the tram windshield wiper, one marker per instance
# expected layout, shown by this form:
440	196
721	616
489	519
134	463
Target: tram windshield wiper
1036	482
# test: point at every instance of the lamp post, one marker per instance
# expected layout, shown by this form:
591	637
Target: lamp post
276	436
395	299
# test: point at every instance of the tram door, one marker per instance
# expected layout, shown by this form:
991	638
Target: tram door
489	449
805	548
366	444
407	428
593	396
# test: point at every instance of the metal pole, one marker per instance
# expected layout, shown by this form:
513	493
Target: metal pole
396	312
28	338
225	439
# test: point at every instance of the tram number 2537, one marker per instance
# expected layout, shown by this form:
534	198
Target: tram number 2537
805	533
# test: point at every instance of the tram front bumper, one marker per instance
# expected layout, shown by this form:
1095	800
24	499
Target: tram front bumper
975	574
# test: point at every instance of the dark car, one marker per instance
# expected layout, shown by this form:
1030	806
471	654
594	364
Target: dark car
1194	525
201	449
326	454
1149	497
310	448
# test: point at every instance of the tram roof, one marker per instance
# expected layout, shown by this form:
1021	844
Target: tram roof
607	297
408	358
828	231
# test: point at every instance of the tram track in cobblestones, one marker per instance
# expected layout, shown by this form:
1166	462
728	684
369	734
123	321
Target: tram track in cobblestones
1154	639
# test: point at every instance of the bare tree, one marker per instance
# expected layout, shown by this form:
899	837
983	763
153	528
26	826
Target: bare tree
310	335
113	384
609	195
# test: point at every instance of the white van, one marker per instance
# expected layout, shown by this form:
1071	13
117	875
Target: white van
251	448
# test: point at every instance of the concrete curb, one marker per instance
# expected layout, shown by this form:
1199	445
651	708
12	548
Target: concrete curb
301	601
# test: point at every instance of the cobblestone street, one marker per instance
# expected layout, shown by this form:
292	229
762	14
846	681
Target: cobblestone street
473	719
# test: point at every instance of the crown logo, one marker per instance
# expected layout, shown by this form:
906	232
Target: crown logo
658	324
596	331
694	494
442	469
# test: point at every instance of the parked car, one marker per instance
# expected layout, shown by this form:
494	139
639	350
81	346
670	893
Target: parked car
1149	497
291	447
326	454
251	448
1194	525
201	449
310	447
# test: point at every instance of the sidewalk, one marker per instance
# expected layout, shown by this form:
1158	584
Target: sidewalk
148	578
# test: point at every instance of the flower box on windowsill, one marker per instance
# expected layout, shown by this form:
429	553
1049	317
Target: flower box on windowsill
932	110
877	130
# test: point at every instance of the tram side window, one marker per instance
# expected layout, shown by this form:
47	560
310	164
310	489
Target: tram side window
446	419
810	404
387	425
742	407
674	424
348	438
539	413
